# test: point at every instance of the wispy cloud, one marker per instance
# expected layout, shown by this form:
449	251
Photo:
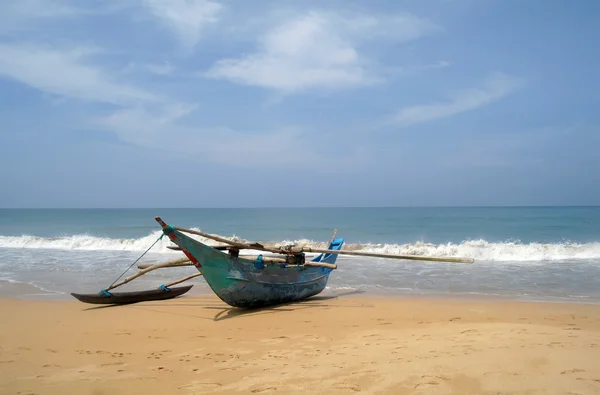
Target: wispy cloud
185	18
147	127
164	128
494	88
173	129
318	50
29	14
162	69
66	73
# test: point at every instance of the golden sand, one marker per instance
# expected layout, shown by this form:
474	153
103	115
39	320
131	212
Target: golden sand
199	345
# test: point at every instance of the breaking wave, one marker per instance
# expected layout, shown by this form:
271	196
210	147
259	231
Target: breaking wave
480	250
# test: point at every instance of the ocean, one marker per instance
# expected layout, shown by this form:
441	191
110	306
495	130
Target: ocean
521	253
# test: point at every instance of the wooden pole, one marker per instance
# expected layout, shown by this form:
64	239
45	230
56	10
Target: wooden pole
221	239
328	244
183	279
320	264
332	237
177	264
146	270
286	250
391	256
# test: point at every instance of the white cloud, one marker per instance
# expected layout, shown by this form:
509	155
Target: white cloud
494	88
23	15
147	127
64	73
318	49
166	128
163	127
185	18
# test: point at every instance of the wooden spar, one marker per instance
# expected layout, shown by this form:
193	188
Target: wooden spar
392	256
222	239
220	248
187	262
182	280
267	260
331	239
328	244
319	264
291	250
147	270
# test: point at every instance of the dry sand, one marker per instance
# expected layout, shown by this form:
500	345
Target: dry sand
347	345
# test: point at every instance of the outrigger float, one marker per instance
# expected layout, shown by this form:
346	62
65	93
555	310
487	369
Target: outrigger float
246	281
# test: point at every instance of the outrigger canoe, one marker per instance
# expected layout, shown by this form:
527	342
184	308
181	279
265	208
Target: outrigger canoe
241	280
248	283
161	293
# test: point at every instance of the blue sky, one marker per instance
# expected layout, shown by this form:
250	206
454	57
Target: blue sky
182	103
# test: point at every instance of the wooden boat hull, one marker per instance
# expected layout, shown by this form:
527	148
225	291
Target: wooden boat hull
247	283
132	297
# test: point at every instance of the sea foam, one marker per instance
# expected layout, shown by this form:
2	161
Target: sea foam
480	250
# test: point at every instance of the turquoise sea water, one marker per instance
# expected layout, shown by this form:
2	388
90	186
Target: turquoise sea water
550	253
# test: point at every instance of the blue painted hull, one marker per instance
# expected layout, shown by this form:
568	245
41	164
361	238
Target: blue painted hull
249	288
247	283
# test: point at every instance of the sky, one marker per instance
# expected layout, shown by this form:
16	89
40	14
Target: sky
236	103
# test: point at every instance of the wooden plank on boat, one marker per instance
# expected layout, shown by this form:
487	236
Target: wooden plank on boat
132	297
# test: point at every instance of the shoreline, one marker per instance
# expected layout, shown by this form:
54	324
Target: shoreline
325	344
16	290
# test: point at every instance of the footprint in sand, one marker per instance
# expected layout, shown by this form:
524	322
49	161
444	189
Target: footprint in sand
258	390
573	371
348	386
201	386
432	383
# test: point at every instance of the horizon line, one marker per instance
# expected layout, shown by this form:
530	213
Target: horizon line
297	207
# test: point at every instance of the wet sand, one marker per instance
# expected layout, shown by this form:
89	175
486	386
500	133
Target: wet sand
325	345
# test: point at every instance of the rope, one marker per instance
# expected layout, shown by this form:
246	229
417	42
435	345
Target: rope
130	266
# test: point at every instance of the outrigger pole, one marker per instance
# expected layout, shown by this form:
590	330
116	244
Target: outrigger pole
147	269
298	250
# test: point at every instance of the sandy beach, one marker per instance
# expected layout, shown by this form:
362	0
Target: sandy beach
325	345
